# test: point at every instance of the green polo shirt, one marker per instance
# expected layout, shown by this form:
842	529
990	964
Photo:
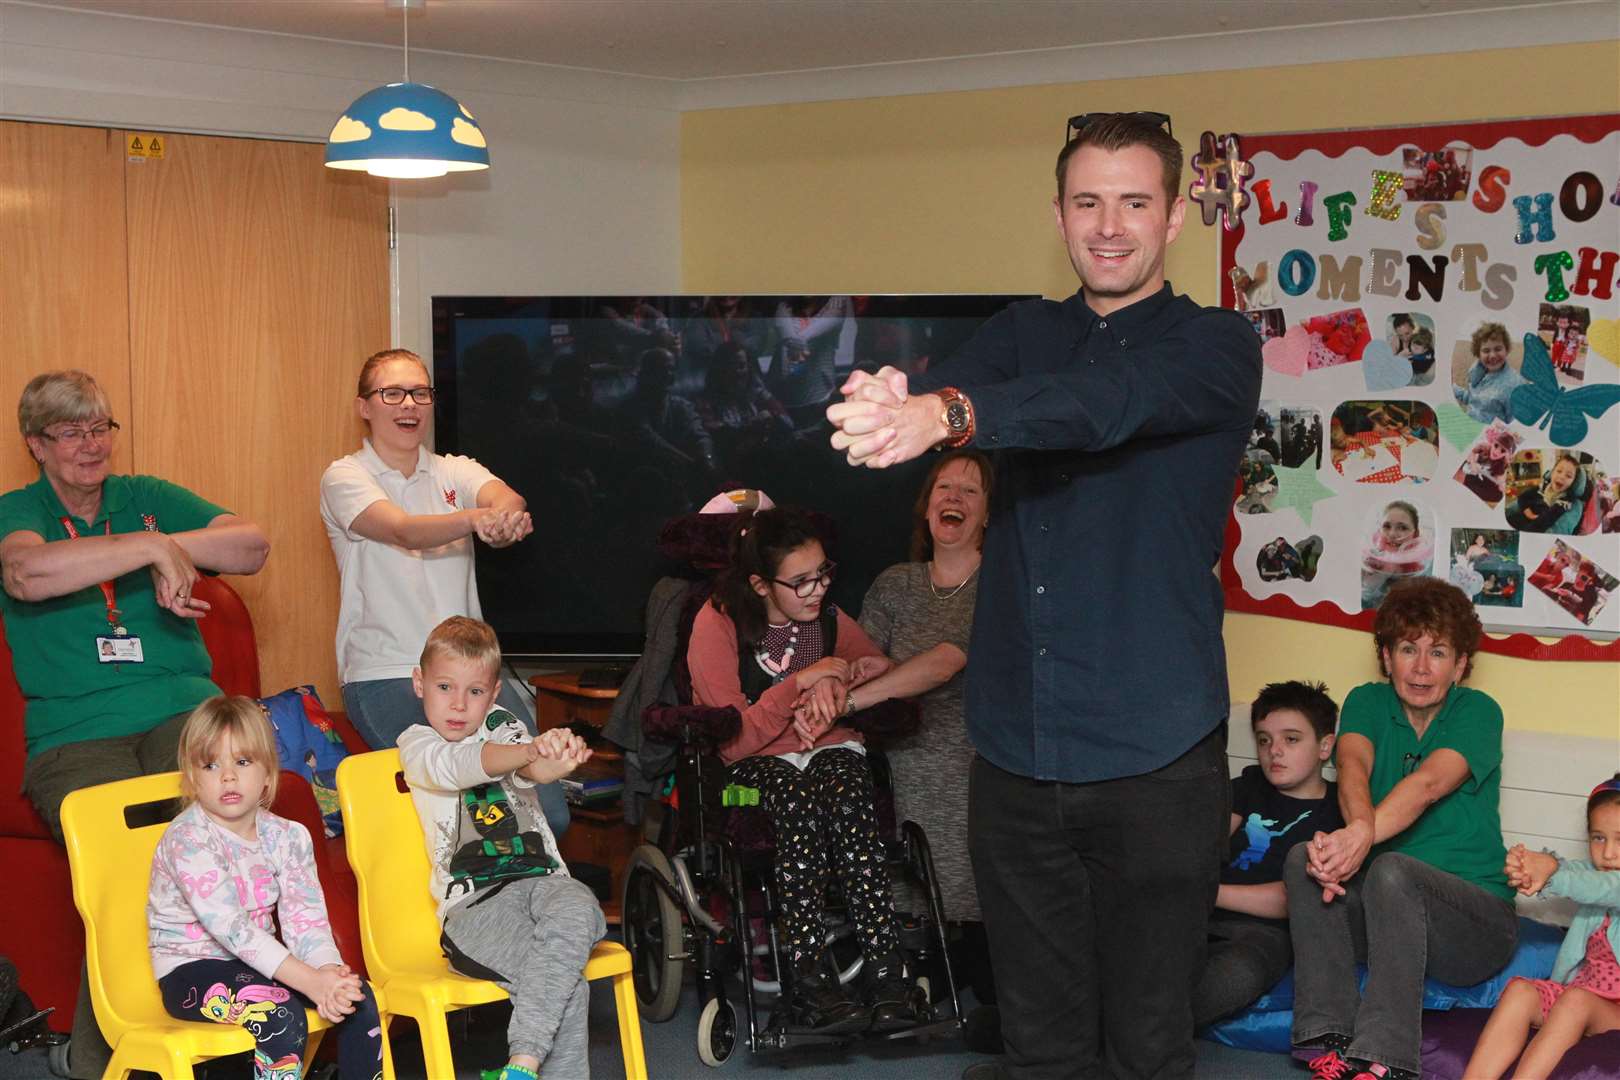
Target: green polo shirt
1462	833
72	696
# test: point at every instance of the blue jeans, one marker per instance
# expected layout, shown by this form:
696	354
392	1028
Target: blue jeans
380	709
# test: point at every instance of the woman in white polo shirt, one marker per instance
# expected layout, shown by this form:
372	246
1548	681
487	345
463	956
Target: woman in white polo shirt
401	521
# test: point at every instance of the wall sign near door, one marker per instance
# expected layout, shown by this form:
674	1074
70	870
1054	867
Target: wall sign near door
140	145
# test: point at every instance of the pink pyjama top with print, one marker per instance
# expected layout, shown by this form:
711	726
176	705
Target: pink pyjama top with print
214	896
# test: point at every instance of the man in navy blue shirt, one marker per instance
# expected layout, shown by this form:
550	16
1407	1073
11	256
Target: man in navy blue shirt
1096	682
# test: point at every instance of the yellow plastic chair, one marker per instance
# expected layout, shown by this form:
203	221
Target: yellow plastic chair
399	922
112	864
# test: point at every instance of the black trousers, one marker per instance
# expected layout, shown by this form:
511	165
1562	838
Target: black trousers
1245	958
1096	899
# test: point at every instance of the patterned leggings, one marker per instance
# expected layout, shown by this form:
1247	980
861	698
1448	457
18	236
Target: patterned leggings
230	992
825	823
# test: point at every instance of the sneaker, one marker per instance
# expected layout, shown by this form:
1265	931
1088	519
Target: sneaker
817	1003
981	1032
1374	1071
897	1002
1331	1065
1308	1052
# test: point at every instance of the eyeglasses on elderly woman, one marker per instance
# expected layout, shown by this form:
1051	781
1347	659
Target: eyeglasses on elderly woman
72	435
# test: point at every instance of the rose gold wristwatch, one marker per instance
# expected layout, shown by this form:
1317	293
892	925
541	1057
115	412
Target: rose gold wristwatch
958	418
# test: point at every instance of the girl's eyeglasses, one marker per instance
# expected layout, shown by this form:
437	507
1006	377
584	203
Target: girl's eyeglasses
803	587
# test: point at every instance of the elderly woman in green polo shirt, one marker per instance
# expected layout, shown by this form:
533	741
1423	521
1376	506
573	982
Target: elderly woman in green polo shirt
1413	884
97	572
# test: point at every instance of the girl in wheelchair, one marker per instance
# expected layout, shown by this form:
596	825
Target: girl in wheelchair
770	645
225	870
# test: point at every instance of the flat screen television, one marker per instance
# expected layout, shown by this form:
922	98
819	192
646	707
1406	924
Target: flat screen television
611	415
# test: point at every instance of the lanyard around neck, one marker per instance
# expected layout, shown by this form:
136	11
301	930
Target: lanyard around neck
109	589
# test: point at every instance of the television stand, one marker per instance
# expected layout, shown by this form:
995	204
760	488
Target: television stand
610	677
596	834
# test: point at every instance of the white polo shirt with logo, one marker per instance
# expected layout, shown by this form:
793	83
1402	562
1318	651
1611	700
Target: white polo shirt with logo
393	597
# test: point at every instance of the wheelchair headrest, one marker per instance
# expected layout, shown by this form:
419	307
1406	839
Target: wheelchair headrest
703	541
708	727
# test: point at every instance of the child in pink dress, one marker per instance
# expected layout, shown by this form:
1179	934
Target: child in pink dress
1583	996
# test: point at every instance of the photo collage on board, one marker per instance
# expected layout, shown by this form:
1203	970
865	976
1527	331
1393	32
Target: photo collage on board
1436	401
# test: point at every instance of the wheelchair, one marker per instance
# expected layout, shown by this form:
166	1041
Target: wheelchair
700	888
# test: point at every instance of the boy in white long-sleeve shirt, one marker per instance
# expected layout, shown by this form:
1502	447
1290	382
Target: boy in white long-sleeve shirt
509	908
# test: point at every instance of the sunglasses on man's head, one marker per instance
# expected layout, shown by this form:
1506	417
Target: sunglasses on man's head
1077	124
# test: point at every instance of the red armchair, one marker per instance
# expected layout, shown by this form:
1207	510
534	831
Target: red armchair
39	927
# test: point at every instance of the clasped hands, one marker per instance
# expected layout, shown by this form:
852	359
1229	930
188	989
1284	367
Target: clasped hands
1333	858
337	992
502	528
879	424
827	684
1528	870
553	754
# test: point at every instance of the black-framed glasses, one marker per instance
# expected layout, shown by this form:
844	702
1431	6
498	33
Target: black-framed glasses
803	587
395	395
1409	763
1077	124
73	436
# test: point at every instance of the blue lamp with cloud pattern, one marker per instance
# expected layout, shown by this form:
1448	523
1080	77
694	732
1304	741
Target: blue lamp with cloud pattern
407	130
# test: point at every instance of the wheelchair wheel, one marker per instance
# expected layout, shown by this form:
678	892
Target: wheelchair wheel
653	932
717	1032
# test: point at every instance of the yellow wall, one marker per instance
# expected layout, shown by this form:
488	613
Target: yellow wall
952	193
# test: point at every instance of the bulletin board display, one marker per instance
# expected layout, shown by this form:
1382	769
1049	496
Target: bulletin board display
1439	308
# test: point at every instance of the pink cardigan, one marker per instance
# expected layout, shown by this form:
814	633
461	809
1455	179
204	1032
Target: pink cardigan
767	724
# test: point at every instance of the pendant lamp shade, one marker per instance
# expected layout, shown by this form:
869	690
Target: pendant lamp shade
407	130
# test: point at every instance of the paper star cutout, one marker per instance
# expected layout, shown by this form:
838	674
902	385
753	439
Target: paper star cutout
1603	336
1457	427
1300	489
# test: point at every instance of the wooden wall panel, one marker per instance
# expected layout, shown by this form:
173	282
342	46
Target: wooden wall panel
258	283
63	284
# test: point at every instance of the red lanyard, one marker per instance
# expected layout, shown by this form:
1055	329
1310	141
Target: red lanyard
109	589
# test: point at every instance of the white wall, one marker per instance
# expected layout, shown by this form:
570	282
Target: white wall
583	192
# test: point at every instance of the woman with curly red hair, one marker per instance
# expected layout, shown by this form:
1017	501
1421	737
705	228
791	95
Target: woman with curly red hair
1413	885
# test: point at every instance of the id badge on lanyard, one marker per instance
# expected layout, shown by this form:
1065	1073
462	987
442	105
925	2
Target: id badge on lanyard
117	646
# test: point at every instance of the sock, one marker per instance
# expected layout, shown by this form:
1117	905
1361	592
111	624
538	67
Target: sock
509	1072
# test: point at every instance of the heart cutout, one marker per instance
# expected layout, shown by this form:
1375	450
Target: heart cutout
1383	369
1287	355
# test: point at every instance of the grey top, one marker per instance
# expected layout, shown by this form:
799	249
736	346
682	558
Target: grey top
904	615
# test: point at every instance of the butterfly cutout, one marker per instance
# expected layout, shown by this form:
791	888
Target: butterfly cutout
1542	401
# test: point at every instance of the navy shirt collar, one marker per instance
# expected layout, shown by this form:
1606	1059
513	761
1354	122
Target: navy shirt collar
1129	323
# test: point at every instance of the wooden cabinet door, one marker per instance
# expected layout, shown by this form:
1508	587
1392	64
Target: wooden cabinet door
258	282
63	283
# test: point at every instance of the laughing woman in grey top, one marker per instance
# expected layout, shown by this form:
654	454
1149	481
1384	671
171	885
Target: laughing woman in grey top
920	614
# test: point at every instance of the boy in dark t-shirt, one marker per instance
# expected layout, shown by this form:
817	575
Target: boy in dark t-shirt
1276	804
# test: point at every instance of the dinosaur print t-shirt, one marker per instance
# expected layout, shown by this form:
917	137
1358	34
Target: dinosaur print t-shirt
1269	824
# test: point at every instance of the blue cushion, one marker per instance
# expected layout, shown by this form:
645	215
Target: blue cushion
1265	1024
1533	959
